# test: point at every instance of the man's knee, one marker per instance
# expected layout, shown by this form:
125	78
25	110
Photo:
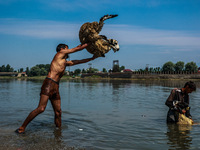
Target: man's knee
58	113
41	109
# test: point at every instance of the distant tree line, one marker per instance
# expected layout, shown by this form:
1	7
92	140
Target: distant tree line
79	71
38	70
169	66
116	68
6	68
42	69
180	66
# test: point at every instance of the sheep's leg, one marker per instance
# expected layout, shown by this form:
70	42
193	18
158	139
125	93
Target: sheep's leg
105	17
104	37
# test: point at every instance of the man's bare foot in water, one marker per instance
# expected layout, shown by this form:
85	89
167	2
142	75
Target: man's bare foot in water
20	130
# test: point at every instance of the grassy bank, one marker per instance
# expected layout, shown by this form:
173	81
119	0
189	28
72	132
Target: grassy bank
95	77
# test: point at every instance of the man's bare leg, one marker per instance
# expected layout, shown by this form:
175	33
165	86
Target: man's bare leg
56	104
41	107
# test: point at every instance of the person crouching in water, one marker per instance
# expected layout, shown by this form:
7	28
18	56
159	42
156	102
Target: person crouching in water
178	102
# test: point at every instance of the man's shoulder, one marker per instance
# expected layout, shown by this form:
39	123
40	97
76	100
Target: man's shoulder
175	90
59	55
57	58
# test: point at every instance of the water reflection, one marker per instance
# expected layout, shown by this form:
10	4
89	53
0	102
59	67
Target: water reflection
179	136
58	138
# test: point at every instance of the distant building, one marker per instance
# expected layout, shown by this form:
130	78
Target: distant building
127	70
22	74
67	73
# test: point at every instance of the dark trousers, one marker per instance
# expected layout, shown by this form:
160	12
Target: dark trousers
172	116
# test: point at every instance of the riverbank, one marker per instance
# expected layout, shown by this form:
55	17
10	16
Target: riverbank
118	76
128	75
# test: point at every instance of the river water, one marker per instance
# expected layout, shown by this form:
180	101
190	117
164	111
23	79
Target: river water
99	115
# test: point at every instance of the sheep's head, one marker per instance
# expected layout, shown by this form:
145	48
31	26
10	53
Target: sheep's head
114	44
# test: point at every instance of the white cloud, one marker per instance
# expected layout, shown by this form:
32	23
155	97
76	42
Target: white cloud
125	34
39	28
137	35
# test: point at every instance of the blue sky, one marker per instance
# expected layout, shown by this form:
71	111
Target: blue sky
149	31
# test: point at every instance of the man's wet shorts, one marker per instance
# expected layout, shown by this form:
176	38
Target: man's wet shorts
50	88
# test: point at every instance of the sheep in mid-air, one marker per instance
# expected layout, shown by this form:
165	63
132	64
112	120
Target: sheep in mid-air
99	44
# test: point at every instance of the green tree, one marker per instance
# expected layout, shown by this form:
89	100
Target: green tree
2	68
96	70
77	71
43	72
191	66
151	69
141	70
21	70
39	69
122	68
89	70
45	66
27	71
35	71
83	71
104	70
179	66
168	66
41	65
92	70
157	69
8	68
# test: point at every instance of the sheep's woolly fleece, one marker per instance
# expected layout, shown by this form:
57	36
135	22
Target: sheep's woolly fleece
99	44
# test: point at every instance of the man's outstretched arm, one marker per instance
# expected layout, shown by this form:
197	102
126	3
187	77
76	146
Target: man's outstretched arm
76	62
75	49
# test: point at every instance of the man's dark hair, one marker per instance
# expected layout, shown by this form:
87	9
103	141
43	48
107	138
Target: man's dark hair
191	85
58	48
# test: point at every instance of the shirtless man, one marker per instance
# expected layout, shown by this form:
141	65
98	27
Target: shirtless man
50	87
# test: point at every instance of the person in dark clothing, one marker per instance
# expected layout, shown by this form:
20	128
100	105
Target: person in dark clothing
178	102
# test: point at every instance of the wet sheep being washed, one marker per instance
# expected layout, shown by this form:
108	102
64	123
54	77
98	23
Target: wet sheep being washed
99	44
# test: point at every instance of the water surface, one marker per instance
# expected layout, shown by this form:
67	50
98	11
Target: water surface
117	114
